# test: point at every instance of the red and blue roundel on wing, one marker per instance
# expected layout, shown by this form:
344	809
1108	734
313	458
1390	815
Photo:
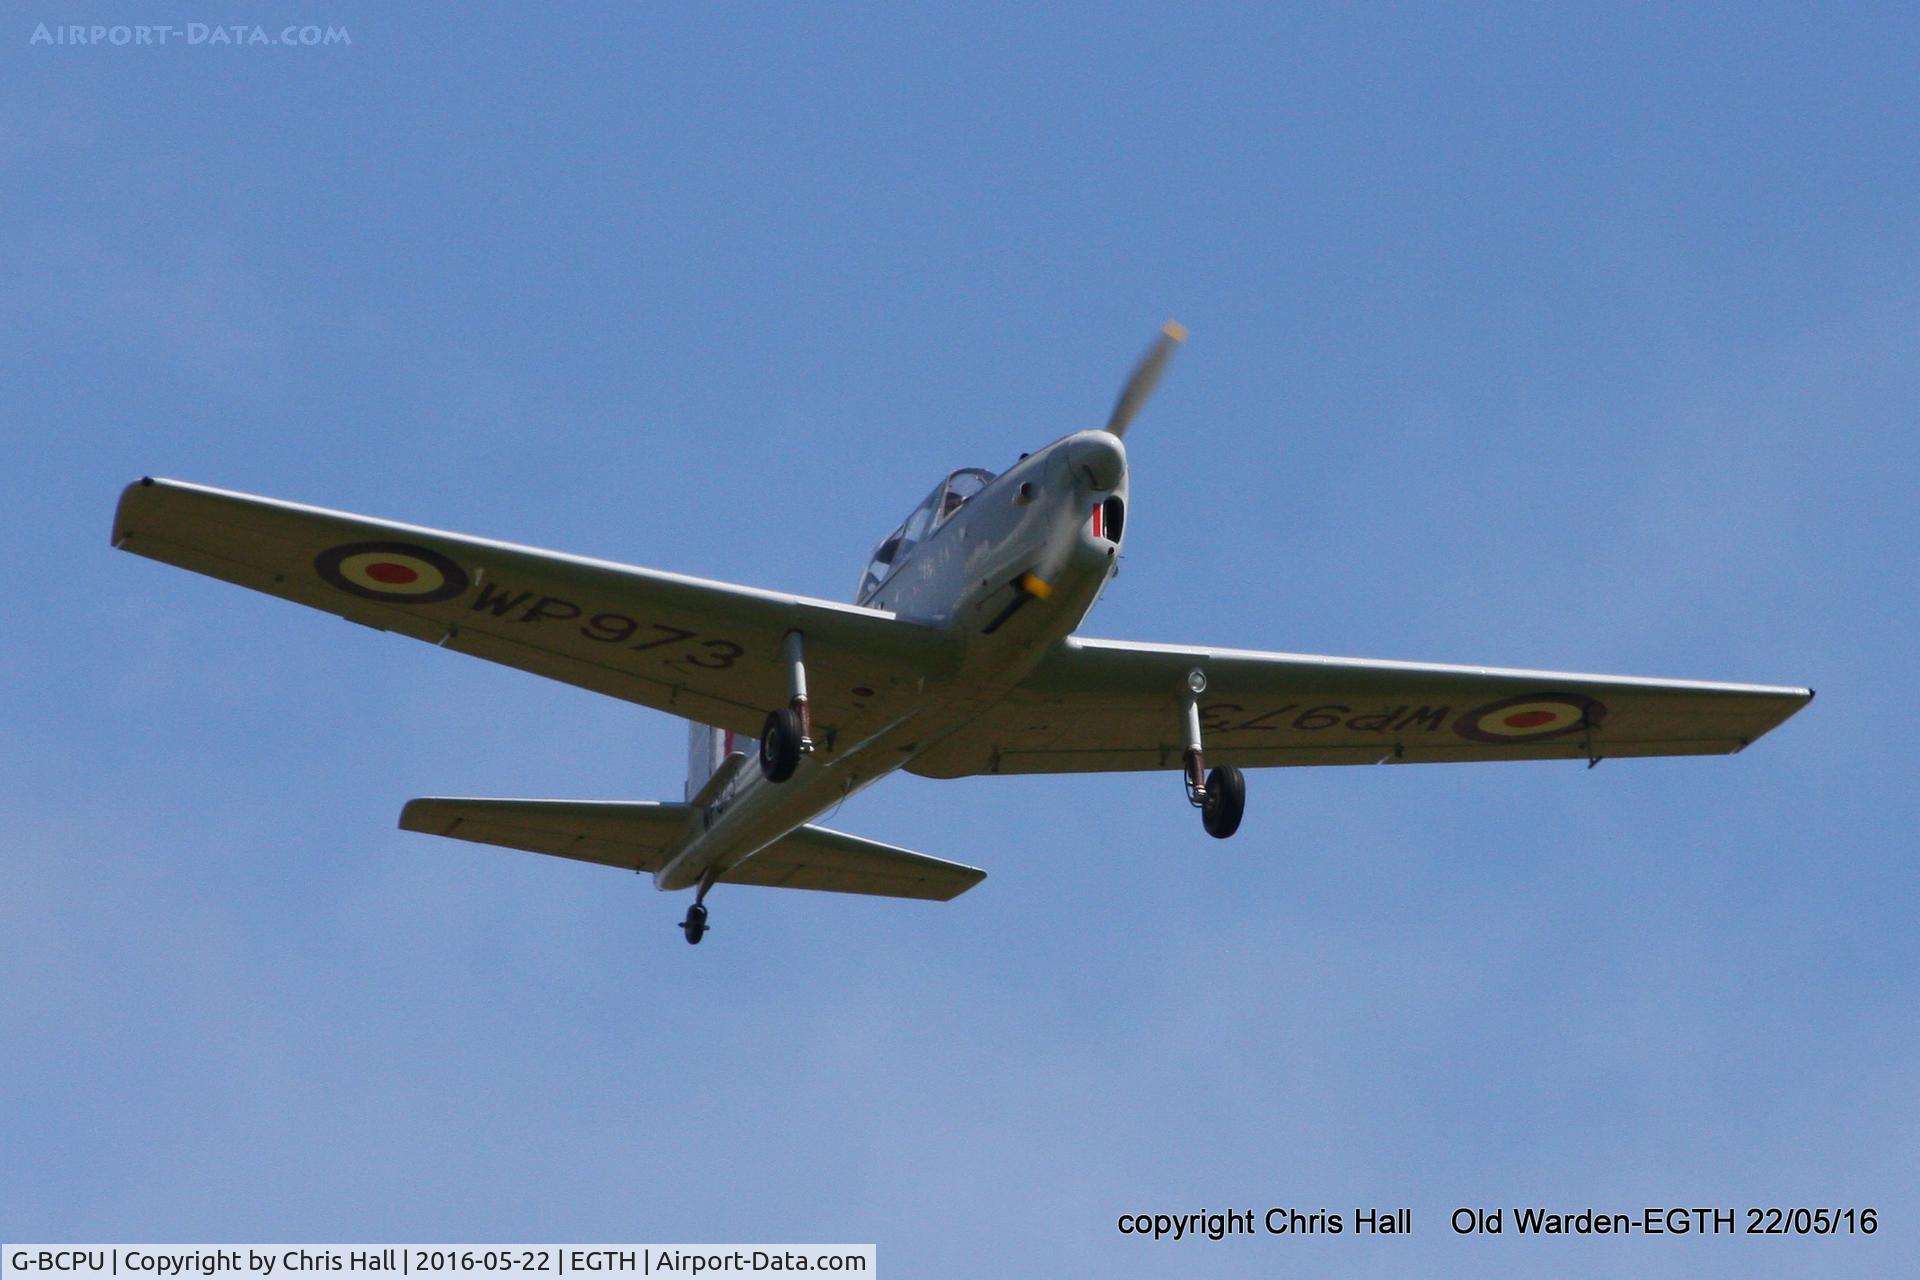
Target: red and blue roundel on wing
1530	717
394	572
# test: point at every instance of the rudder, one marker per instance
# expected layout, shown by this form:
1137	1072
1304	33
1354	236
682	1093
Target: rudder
707	749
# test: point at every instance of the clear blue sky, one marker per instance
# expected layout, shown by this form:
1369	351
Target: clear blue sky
1581	341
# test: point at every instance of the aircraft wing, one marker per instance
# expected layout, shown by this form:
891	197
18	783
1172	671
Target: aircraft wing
708	651
1103	705
636	835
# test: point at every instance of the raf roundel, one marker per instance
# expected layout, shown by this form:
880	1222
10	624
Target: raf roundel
1530	717
394	572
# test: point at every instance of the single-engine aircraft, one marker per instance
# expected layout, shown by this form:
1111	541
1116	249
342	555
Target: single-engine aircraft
958	657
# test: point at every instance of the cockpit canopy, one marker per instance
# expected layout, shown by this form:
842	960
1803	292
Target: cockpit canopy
947	497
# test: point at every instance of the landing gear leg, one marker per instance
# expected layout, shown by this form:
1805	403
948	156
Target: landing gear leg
1220	796
788	733
695	925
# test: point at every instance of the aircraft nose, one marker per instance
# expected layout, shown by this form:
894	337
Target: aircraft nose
1098	457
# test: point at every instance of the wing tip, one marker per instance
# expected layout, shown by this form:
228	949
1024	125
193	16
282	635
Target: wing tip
130	495
417	815
976	874
119	535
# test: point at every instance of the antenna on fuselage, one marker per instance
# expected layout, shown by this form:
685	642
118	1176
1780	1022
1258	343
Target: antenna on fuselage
1145	376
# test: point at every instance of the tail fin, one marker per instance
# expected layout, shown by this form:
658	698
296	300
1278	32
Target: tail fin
707	750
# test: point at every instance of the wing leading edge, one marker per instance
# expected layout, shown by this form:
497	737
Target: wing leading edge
1103	705
709	651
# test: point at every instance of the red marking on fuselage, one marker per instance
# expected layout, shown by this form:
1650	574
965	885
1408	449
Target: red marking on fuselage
1098	508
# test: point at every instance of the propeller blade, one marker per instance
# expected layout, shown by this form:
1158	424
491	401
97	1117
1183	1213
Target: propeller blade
1145	375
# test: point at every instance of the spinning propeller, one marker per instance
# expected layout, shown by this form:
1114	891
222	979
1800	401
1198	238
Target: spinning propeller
1102	463
1146	375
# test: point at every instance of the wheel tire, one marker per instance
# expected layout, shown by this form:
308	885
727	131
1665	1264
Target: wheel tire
695	924
780	745
1226	801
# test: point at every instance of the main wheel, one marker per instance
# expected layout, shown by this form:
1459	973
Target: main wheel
1226	801
695	924
780	745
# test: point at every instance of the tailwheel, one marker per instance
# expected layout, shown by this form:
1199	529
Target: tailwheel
780	744
695	924
1225	802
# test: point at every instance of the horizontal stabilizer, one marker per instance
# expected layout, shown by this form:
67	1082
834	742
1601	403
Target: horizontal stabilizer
633	834
816	858
636	835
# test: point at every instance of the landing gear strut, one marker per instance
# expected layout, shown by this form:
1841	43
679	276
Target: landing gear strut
695	925
788	733
1220	796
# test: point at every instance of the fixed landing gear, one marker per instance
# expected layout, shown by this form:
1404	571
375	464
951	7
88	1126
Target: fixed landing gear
1220	795
1224	802
788	733
780	745
695	925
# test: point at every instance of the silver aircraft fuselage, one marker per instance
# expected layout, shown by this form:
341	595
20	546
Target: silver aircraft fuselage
1013	570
